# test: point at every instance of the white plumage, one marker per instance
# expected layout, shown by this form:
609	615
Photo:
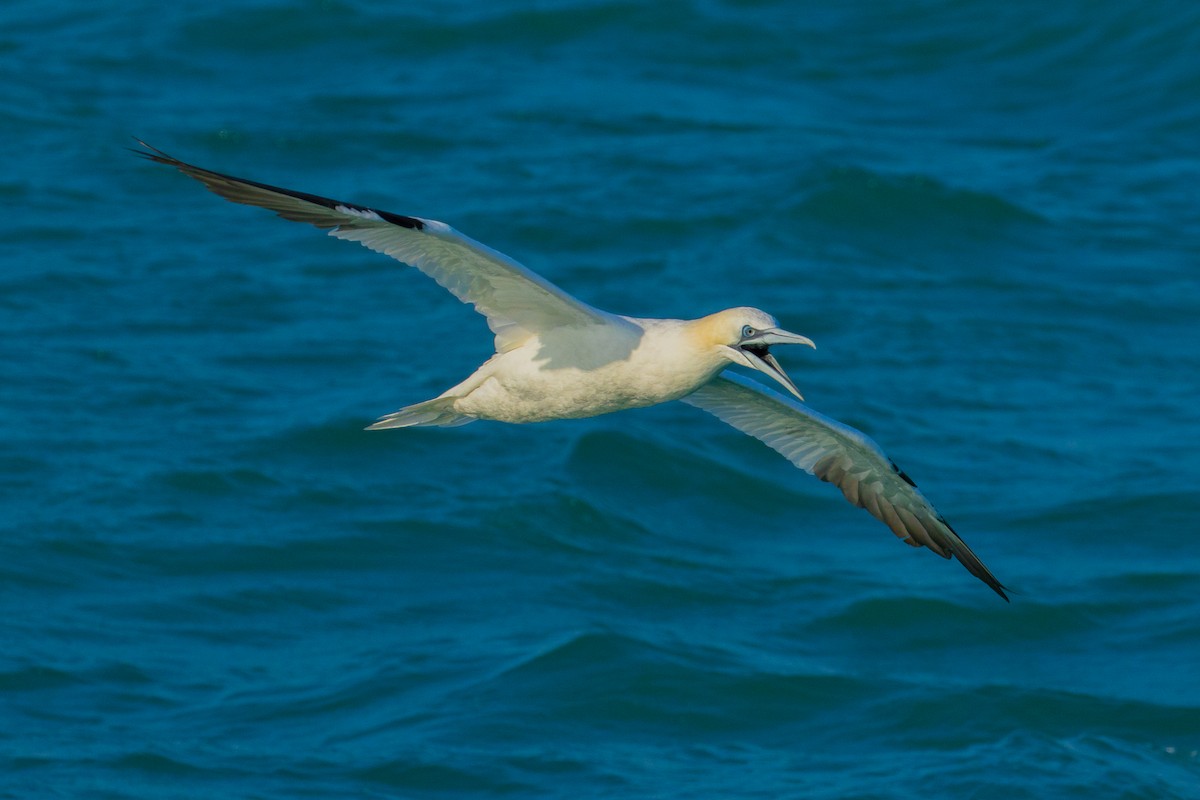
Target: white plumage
557	358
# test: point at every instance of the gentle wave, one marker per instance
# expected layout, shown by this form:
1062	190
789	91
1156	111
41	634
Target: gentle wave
858	198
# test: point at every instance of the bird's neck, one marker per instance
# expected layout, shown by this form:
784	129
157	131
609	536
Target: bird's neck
697	343
704	334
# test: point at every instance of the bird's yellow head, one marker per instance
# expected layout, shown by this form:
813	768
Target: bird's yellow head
744	336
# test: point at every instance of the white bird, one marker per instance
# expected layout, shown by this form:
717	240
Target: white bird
559	358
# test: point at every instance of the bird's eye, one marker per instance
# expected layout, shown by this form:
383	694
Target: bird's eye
747	331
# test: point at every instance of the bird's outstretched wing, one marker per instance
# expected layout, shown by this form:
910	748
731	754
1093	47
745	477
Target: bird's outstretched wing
515	301
841	455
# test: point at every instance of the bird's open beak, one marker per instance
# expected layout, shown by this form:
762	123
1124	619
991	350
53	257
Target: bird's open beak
757	355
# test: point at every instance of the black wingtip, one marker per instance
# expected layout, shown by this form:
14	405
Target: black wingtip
216	181
151	153
971	562
976	568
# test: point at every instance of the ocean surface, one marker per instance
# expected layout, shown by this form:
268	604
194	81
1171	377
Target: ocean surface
215	583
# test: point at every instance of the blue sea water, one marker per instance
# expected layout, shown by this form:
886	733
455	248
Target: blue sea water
214	583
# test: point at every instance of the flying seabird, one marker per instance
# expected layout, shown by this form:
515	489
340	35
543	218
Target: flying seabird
559	358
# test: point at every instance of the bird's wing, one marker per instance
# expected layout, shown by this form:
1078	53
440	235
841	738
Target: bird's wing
841	455
515	301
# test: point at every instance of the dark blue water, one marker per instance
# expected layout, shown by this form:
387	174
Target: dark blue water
214	583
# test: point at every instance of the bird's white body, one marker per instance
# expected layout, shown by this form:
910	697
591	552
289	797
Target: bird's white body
568	373
559	358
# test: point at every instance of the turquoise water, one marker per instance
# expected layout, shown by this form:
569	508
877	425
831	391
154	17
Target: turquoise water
214	583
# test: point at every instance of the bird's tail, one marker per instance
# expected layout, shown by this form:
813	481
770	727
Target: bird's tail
438	412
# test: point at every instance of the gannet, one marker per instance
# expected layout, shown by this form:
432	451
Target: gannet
558	358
